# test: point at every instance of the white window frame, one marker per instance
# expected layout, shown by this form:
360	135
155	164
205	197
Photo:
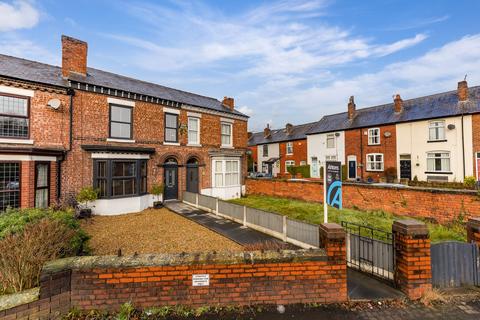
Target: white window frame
375	161
371	136
439	127
264	147
303	163
330	136
289	146
230	144
430	157
330	158
289	163
224	172
191	143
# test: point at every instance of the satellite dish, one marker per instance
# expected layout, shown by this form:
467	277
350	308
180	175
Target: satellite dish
337	134
54	103
451	126
387	134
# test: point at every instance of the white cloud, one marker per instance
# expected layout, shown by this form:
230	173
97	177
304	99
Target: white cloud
14	45
18	15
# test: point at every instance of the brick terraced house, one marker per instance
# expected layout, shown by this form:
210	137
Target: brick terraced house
278	149
432	138
69	127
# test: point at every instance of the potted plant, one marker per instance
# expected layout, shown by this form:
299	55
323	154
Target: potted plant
84	197
157	191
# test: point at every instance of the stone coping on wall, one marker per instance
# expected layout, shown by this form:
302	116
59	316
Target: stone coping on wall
150	260
380	186
15	299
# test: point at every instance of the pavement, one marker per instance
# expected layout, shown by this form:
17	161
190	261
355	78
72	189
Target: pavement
363	287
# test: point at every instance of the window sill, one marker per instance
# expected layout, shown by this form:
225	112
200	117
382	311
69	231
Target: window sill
223	187
289	154
374	144
16	141
171	143
227	147
193	145
374	170
438	172
433	141
120	140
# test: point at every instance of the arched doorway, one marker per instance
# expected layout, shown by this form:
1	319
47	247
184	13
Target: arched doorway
192	175
170	178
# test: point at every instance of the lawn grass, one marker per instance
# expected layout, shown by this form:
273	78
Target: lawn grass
312	212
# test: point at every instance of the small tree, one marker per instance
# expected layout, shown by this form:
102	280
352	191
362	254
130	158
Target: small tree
157	190
87	195
469	182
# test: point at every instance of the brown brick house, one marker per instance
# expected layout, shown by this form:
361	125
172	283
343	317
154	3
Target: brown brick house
117	134
277	149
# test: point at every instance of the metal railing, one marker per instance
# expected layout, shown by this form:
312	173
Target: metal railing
370	250
299	233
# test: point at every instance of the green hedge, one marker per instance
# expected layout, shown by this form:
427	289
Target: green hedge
303	170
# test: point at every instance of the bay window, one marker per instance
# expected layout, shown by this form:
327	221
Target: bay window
438	161
120	178
14	122
226	173
9	185
374	162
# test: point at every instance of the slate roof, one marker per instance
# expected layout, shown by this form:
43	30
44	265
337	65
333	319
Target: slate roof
280	135
33	71
439	105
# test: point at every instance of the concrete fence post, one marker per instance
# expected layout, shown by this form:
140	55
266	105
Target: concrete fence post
196	200
413	270
216	205
285	228
244	216
473	230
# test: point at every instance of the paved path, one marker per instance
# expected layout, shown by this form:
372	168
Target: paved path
363	287
227	228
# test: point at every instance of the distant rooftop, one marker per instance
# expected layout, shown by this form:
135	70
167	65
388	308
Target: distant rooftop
280	135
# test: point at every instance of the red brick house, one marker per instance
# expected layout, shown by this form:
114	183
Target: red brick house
280	148
65	128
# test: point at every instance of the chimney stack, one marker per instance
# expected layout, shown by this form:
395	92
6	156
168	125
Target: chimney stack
398	103
249	134
289	128
462	91
351	108
267	131
74	56
229	102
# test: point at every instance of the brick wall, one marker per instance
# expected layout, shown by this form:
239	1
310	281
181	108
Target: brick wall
105	283
299	153
356	143
441	205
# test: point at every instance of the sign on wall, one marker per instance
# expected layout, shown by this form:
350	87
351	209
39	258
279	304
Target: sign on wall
200	280
334	184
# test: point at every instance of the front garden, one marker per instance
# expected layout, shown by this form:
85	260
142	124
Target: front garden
312	212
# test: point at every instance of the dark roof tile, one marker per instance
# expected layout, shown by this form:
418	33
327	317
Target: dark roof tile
280	135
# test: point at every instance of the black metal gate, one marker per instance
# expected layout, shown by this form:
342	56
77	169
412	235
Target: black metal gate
370	250
455	264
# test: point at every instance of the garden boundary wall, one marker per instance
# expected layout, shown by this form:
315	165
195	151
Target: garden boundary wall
441	205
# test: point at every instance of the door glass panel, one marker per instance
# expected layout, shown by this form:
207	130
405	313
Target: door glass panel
41	187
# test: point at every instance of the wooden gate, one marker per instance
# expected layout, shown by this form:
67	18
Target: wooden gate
455	264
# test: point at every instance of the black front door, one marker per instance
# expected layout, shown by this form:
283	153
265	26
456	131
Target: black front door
406	169
352	169
192	178
270	169
171	182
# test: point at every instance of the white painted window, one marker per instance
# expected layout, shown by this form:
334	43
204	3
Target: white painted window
226	173
303	163
331	158
331	140
289	147
374	136
289	163
193	130
265	150
438	161
375	162
226	134
436	130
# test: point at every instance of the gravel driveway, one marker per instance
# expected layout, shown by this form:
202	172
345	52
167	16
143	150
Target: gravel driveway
152	231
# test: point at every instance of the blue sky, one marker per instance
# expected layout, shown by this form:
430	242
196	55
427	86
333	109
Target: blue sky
283	61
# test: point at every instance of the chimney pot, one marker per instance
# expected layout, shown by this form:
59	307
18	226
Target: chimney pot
351	108
462	91
289	128
74	56
229	102
398	103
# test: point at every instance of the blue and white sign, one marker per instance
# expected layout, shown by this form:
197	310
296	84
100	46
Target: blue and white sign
334	184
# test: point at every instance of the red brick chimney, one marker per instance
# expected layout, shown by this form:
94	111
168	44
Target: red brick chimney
267	132
228	102
74	56
351	108
289	128
462	91
398	103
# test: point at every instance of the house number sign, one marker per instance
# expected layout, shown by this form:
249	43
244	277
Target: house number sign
200	280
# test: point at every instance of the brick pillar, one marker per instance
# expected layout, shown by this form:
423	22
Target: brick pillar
413	271
332	238
27	184
473	230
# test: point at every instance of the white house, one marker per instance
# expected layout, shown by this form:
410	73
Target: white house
324	147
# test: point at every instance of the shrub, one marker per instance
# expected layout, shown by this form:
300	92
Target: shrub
86	195
23	254
303	170
469	182
157	189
